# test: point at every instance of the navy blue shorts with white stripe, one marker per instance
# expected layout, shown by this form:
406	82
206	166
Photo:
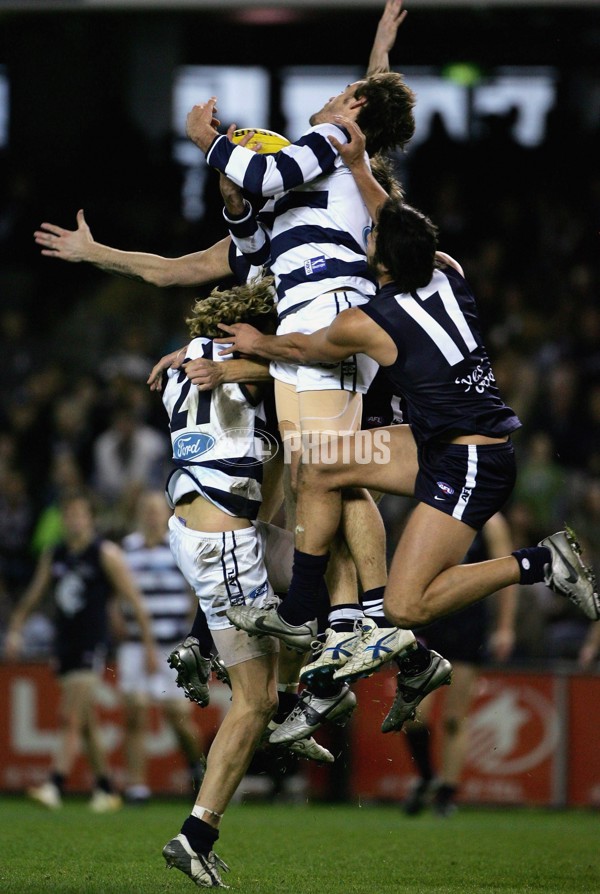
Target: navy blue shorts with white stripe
467	481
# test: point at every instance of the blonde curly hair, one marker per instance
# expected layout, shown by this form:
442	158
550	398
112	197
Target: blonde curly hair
252	302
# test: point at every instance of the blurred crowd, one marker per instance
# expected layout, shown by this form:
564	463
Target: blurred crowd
76	348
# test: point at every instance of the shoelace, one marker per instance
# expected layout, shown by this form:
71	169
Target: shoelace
318	644
298	709
217	862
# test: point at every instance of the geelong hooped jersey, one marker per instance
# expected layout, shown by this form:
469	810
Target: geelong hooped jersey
165	592
315	230
442	370
213	435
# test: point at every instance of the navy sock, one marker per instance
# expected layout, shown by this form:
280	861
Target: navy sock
416	661
58	779
202	633
304	595
200	835
531	563
419	738
324	687
287	701
324	608
372	603
104	784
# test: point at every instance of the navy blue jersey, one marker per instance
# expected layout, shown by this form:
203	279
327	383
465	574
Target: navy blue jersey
81	593
442	370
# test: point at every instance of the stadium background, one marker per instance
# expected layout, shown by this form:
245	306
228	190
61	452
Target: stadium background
88	121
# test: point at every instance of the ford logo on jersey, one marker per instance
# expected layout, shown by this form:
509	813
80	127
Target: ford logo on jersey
192	445
445	487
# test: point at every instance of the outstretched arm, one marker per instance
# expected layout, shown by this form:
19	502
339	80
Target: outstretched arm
79	246
352	332
385	37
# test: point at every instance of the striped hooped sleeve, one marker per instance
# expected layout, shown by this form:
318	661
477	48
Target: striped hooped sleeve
249	237
303	161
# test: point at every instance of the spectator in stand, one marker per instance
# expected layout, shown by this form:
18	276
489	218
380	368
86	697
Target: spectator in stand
129	457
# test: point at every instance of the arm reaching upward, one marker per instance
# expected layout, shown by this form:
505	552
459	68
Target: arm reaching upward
385	37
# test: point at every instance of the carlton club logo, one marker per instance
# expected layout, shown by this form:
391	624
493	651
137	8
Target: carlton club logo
512	729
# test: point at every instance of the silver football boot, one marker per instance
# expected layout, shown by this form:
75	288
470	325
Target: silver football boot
204	871
266	621
193	671
313	711
568	575
411	690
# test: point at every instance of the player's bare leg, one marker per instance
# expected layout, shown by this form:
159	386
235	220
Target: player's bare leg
439	788
254	700
438	584
178	715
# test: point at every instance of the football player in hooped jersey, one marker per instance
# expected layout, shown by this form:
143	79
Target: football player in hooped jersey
455	456
224	554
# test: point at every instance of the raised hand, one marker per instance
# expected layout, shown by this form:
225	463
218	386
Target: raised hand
201	124
68	245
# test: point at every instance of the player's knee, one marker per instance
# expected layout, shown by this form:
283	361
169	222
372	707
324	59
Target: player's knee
262	705
405	612
317	476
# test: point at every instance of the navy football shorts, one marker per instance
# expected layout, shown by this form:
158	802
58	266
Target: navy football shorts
83	659
467	481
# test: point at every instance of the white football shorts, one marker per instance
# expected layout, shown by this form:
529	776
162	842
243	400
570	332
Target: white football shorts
224	569
354	374
133	678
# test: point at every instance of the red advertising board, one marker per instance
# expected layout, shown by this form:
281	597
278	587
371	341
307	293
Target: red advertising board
533	740
29	697
516	742
584	735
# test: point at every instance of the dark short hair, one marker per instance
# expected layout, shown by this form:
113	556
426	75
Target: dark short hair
405	244
386	118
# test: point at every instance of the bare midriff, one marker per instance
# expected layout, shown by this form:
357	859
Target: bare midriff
201	515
